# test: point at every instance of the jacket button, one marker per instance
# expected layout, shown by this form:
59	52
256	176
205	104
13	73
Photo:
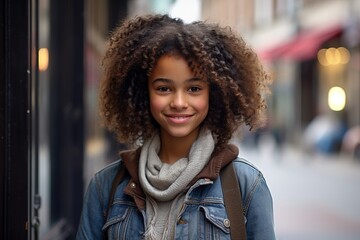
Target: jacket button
182	221
226	222
132	185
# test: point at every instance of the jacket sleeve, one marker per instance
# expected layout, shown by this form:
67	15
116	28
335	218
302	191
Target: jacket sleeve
92	219
257	203
260	217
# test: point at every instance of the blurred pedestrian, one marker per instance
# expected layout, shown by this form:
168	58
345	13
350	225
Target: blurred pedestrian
179	91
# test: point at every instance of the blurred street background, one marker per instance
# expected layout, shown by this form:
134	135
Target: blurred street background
308	150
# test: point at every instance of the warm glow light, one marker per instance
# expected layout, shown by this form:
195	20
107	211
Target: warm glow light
333	56
345	55
336	99
322	58
43	59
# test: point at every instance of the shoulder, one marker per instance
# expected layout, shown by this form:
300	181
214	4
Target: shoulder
103	179
251	181
100	184
246	169
109	170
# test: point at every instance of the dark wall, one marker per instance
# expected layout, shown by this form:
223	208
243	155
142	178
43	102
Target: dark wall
116	12
309	91
66	111
14	118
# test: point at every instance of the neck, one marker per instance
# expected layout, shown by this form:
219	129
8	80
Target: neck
174	148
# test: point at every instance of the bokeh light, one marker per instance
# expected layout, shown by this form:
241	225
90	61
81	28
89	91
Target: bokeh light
336	99
43	59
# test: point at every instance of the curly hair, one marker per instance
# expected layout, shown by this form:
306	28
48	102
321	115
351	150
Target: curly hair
235	75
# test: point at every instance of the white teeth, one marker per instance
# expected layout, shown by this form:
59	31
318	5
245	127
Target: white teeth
179	117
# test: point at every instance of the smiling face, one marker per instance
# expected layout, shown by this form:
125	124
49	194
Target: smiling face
179	101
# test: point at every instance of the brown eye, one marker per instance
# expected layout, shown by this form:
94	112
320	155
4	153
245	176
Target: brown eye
163	89
194	89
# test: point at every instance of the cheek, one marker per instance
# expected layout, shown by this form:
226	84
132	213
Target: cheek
203	106
156	105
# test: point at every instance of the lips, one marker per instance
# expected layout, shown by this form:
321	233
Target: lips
178	118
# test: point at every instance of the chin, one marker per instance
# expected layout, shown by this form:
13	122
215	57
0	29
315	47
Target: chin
181	134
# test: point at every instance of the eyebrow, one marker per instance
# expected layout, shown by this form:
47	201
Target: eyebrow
166	80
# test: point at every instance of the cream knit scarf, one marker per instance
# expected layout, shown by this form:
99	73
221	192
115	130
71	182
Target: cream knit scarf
164	184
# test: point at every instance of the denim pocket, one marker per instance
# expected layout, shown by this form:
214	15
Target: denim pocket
216	224
124	222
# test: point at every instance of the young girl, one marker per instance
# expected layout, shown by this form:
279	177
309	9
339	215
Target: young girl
180	91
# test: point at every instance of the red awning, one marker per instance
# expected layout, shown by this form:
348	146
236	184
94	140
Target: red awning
302	47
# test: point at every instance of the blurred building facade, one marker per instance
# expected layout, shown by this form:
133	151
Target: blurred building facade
310	47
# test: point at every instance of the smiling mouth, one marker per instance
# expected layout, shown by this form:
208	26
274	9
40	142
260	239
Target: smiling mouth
178	118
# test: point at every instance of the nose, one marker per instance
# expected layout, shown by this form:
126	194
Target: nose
179	101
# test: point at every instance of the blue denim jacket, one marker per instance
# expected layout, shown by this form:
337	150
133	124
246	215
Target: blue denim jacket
202	215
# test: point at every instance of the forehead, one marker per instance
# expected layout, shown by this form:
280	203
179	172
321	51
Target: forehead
171	65
175	64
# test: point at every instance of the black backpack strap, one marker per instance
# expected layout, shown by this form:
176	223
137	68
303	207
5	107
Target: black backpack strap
117	180
233	202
